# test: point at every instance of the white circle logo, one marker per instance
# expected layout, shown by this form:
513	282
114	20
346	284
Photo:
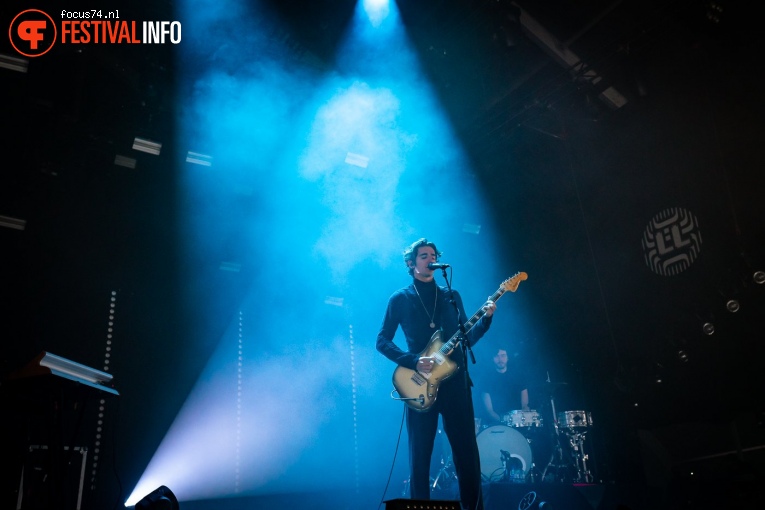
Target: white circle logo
672	241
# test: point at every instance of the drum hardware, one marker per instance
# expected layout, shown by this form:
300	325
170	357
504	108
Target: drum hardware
446	477
513	469
556	461
575	436
576	441
575	419
575	425
435	486
557	449
570	427
445	480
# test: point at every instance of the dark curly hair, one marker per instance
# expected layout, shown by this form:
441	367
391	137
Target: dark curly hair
410	253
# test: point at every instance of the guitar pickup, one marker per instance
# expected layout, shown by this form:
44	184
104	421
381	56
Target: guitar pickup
440	358
418	378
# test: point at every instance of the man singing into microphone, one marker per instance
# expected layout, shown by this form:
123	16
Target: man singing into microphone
421	309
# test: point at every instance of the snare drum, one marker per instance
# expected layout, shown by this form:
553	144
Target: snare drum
575	419
519	419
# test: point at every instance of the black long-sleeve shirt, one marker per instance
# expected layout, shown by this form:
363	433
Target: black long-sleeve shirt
413	313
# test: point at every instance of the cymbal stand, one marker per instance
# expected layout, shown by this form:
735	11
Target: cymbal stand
576	440
557	450
445	477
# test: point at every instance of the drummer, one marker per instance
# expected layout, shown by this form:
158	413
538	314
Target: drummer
502	389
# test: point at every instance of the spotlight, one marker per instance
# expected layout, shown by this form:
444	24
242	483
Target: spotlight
682	356
733	305
708	328
161	499
759	277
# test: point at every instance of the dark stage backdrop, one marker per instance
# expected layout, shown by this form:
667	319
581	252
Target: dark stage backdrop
581	193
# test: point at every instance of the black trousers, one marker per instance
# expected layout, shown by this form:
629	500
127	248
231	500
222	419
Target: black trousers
455	406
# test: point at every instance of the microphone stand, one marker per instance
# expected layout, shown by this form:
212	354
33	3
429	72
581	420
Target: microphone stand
466	349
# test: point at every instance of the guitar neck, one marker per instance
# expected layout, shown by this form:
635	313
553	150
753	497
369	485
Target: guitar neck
454	340
482	311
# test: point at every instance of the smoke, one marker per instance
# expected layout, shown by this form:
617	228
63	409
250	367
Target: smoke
316	175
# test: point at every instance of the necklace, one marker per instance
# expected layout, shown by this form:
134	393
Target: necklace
435	304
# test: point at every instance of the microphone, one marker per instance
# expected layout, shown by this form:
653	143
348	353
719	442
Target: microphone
436	265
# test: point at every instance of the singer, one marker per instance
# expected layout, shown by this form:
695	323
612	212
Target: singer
421	308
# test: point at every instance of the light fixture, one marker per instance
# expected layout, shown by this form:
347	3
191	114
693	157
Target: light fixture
197	158
759	277
161	498
357	160
733	305
580	70
14	223
124	161
708	328
14	63
148	146
47	363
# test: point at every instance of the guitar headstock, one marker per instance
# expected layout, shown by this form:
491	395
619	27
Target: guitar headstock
512	283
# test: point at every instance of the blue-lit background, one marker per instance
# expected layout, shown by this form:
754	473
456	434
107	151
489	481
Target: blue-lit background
322	169
233	284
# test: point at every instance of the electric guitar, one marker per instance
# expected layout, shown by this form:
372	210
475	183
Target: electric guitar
418	390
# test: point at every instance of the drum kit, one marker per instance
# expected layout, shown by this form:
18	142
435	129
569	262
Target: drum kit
514	450
522	449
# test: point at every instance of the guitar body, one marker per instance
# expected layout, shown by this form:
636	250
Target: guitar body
419	390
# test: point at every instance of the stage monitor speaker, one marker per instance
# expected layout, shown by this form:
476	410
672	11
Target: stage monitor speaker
422	504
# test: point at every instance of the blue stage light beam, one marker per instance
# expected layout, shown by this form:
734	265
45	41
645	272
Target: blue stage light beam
376	10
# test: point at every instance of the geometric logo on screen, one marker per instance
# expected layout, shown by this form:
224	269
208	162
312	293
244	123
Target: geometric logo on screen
672	241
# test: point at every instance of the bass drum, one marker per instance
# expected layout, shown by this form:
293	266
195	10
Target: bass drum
495	444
